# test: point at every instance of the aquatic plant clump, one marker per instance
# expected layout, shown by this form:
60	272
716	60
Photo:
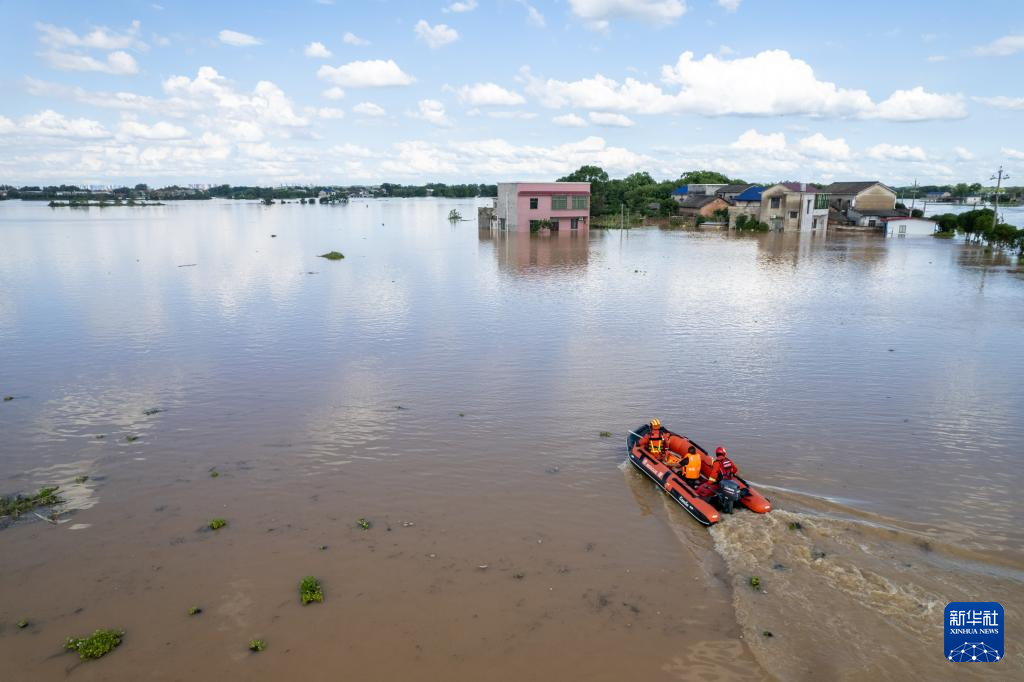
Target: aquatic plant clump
22	624
755	582
194	611
310	590
257	645
216	524
332	255
605	434
364	524
96	645
19	504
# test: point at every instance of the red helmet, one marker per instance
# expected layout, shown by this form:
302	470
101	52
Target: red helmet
720	451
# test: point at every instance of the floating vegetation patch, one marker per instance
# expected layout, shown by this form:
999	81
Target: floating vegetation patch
332	255
149	411
454	215
8	398
214	473
310	590
795	525
22	624
364	524
96	645
131	439
19	504
257	645
605	434
81	479
217	524
755	582
194	611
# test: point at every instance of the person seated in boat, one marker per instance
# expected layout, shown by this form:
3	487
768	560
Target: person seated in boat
723	466
691	470
654	442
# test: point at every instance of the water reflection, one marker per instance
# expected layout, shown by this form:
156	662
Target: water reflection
526	255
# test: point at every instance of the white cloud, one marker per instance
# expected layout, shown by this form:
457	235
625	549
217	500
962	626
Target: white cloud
896	152
597	13
937	58
1003	102
508	115
330	113
488	95
334	93
236	39
435	36
497	158
100	38
118	63
372	73
754	141
161	130
771	83
432	111
1012	153
729	5
236	114
1001	47
369	109
349	149
467	6
6	125
533	15
603	118
821	147
317	50
49	123
107	100
963	153
352	39
918	105
569	121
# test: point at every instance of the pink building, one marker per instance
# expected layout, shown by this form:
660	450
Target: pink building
525	206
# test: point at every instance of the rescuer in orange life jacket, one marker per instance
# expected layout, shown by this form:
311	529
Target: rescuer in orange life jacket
691	470
723	466
655	441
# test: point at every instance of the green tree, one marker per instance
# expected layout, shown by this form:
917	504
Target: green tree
589	174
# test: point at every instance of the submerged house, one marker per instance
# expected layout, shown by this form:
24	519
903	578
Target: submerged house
869	195
905	226
794	206
526	206
747	202
703	205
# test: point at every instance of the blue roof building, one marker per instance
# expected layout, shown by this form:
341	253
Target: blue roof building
749	194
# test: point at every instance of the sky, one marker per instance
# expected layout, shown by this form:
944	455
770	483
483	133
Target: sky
341	92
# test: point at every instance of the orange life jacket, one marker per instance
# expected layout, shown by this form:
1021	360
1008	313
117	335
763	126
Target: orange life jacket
692	466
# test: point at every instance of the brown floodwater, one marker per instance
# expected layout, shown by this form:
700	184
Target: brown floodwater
450	386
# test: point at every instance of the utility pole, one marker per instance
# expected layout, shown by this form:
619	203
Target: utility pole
913	199
999	177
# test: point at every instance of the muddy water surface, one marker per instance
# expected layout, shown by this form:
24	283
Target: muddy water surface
450	385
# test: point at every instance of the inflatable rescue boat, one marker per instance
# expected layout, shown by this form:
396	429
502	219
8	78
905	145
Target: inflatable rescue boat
707	501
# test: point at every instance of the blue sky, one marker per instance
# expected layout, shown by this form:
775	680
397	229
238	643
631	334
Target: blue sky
354	92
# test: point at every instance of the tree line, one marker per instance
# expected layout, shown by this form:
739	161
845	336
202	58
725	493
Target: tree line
639	192
980	226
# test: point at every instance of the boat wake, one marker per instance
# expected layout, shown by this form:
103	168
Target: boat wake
821	594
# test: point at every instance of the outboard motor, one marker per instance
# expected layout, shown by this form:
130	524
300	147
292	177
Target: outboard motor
728	494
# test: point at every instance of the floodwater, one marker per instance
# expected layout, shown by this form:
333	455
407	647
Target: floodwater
449	385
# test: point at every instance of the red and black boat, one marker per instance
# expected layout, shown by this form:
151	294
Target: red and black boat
708	500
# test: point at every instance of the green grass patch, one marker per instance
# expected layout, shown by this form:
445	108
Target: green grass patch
19	504
605	434
944	235
310	590
755	582
257	645
364	524
217	524
96	645
332	255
